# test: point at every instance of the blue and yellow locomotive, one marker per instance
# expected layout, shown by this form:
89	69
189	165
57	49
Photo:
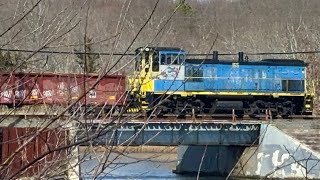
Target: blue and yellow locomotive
168	83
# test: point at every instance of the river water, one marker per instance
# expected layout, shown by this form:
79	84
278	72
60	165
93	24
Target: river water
138	166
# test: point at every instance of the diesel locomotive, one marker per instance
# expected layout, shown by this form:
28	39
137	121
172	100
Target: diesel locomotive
166	82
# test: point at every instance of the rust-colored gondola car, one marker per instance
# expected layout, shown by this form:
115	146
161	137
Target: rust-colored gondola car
18	89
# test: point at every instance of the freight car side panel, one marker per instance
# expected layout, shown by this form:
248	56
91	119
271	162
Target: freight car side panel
109	91
13	138
30	89
60	89
49	89
55	89
115	87
76	85
7	85
17	89
94	95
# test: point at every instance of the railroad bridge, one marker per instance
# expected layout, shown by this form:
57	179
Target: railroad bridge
223	142
237	148
222	147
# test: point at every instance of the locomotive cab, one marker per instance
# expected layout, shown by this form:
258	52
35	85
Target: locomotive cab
157	70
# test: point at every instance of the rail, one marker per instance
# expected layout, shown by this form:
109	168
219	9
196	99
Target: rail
139	117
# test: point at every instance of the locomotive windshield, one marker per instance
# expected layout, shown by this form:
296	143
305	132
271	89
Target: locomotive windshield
153	58
174	58
137	62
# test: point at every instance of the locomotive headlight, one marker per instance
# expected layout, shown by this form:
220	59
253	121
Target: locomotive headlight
147	49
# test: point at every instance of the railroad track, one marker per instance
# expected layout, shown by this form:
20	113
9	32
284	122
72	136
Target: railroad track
190	119
164	118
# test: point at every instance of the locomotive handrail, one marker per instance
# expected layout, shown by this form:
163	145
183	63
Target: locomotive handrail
208	77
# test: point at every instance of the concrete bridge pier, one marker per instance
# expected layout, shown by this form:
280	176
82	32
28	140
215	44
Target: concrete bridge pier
279	156
210	160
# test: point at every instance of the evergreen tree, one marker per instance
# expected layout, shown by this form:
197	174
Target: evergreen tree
9	61
185	8
88	59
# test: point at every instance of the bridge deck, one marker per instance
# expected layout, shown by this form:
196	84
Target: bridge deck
171	134
205	130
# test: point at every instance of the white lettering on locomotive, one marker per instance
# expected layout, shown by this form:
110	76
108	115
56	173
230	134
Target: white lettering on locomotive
172	72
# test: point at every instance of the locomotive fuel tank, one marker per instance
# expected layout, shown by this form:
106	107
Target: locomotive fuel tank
229	105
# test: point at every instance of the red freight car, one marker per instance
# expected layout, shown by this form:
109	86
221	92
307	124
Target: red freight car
12	138
18	89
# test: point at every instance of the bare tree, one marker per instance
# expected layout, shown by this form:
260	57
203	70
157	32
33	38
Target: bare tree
121	26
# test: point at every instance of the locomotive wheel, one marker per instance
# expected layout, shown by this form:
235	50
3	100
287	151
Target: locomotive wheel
253	116
240	116
10	106
157	112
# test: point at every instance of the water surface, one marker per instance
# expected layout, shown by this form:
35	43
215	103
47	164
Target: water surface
138	166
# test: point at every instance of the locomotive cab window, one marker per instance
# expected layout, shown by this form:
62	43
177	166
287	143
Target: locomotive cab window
163	59
175	59
168	61
155	62
172	59
181	59
138	62
146	57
